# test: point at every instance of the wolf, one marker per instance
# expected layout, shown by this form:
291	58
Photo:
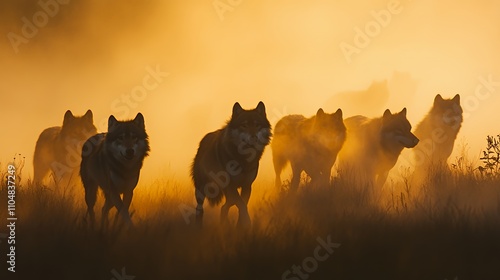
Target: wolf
392	92
309	144
58	148
373	146
438	132
113	162
228	159
376	95
402	88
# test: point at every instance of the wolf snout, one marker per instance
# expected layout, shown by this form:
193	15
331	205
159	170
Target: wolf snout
415	142
129	153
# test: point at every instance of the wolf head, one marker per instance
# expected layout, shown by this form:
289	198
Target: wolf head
396	131
378	86
128	139
78	129
402	83
250	127
447	112
329	129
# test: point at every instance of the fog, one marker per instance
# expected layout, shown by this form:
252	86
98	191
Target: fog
94	55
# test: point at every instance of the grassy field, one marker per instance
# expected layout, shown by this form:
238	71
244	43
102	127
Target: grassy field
448	229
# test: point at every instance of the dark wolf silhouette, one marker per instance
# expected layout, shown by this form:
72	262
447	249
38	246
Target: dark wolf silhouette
228	159
437	133
309	144
373	146
113	161
58	148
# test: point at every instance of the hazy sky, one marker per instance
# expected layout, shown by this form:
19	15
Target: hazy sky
94	54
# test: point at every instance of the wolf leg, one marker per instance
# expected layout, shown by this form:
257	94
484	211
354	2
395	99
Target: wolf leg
317	179
231	195
278	162
317	174
40	169
224	210
90	198
105	211
324	179
120	207
296	171
245	193
241	203
200	199
127	199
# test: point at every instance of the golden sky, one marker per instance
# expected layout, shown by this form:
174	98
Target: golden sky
93	55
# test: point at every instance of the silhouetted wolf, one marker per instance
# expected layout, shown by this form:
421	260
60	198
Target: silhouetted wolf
310	145
394	92
58	148
113	161
374	145
437	133
402	88
375	97
228	159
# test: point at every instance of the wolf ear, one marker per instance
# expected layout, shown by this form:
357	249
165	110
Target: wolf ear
338	114
139	120
403	112
89	116
387	113
376	84
68	116
456	99
112	122
438	98
320	112
261	108
237	109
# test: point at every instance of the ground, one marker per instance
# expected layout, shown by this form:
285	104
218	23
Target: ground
449	229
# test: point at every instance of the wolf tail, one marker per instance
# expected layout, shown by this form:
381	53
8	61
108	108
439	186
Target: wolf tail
214	197
206	187
211	191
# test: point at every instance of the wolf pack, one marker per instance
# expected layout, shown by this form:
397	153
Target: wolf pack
226	163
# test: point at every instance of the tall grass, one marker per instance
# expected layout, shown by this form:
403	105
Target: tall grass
448	227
